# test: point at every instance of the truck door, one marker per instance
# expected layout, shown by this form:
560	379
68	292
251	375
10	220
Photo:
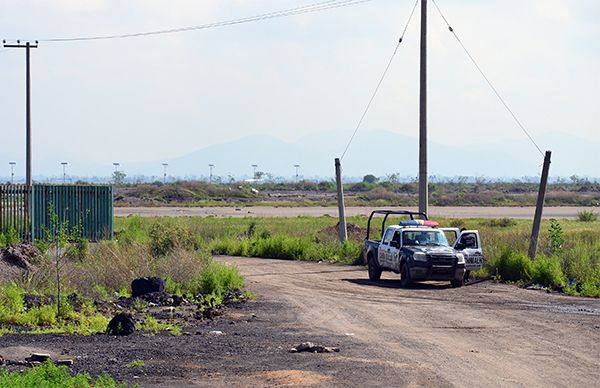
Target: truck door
394	252
469	244
384	248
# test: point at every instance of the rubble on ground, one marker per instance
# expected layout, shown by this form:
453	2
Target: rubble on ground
312	348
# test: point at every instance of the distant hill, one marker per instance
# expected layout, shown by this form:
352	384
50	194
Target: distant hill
372	152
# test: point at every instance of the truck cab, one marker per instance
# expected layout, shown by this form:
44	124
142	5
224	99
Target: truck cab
416	249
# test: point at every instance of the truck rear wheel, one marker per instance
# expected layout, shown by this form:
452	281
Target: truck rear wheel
405	279
457	282
374	268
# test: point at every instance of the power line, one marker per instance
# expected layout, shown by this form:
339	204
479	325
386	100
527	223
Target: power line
487	79
314	7
380	81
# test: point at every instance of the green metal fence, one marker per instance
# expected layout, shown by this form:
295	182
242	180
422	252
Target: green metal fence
28	211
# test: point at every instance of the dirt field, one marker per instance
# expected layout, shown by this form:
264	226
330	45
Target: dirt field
569	212
485	334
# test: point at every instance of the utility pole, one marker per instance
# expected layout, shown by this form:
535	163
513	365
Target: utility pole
297	166
254	166
423	183
537	219
27	46
12	172
64	165
343	232
165	172
210	166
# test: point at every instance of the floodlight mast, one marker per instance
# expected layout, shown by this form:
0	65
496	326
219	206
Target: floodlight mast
254	166
12	172
165	165
64	166
297	166
210	176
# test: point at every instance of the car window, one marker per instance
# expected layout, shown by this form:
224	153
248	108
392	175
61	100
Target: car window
424	237
388	236
468	240
396	237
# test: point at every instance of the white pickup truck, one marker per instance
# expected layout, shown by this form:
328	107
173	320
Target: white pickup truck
418	250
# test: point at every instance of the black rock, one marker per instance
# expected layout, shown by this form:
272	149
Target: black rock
121	324
144	286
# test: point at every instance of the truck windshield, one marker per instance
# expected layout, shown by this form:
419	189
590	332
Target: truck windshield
424	237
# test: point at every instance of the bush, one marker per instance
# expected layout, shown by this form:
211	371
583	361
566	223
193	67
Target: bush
218	278
548	272
501	222
513	266
587	216
165	236
48	375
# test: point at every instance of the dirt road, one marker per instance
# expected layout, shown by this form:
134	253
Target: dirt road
485	334
268	211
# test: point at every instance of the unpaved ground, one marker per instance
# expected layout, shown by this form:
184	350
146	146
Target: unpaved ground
481	335
269	211
485	334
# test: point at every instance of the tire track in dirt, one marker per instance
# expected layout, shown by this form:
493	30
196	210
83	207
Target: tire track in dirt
482	335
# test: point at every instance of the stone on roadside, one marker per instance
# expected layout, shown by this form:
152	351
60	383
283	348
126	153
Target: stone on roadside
147	285
121	324
312	348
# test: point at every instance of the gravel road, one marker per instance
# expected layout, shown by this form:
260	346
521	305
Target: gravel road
485	334
269	211
431	335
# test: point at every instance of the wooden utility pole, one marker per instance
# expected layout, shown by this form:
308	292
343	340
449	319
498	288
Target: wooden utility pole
423	179
537	219
27	46
343	233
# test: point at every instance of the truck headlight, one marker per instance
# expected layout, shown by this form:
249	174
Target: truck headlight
419	256
461	258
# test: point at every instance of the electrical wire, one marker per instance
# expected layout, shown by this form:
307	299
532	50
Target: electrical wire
310	8
380	81
487	79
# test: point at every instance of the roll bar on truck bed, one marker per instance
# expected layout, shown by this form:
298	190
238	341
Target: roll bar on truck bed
386	214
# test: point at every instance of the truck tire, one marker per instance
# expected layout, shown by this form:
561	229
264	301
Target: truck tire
456	283
405	280
374	268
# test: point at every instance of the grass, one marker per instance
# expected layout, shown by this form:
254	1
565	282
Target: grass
48	375
135	364
164	248
576	264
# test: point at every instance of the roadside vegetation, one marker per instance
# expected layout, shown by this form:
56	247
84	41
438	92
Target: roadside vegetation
48	375
371	191
568	252
91	280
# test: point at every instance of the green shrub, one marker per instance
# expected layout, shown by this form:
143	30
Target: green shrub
557	239
547	271
218	278
587	216
512	266
501	222
165	236
48	375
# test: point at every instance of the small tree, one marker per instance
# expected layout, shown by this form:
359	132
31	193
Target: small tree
61	241
370	178
119	177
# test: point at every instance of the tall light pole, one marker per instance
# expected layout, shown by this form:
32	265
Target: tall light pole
12	172
297	166
116	166
64	165
423	183
27	46
254	166
210	166
165	165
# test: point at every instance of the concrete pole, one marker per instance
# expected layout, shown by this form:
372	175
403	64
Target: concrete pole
28	179
423	183
537	219
343	232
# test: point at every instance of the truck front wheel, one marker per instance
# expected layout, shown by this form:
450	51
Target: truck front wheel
374	268
405	279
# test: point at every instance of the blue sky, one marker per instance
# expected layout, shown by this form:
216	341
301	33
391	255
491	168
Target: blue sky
157	98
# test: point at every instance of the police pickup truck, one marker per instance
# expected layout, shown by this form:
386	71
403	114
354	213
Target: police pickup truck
418	250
